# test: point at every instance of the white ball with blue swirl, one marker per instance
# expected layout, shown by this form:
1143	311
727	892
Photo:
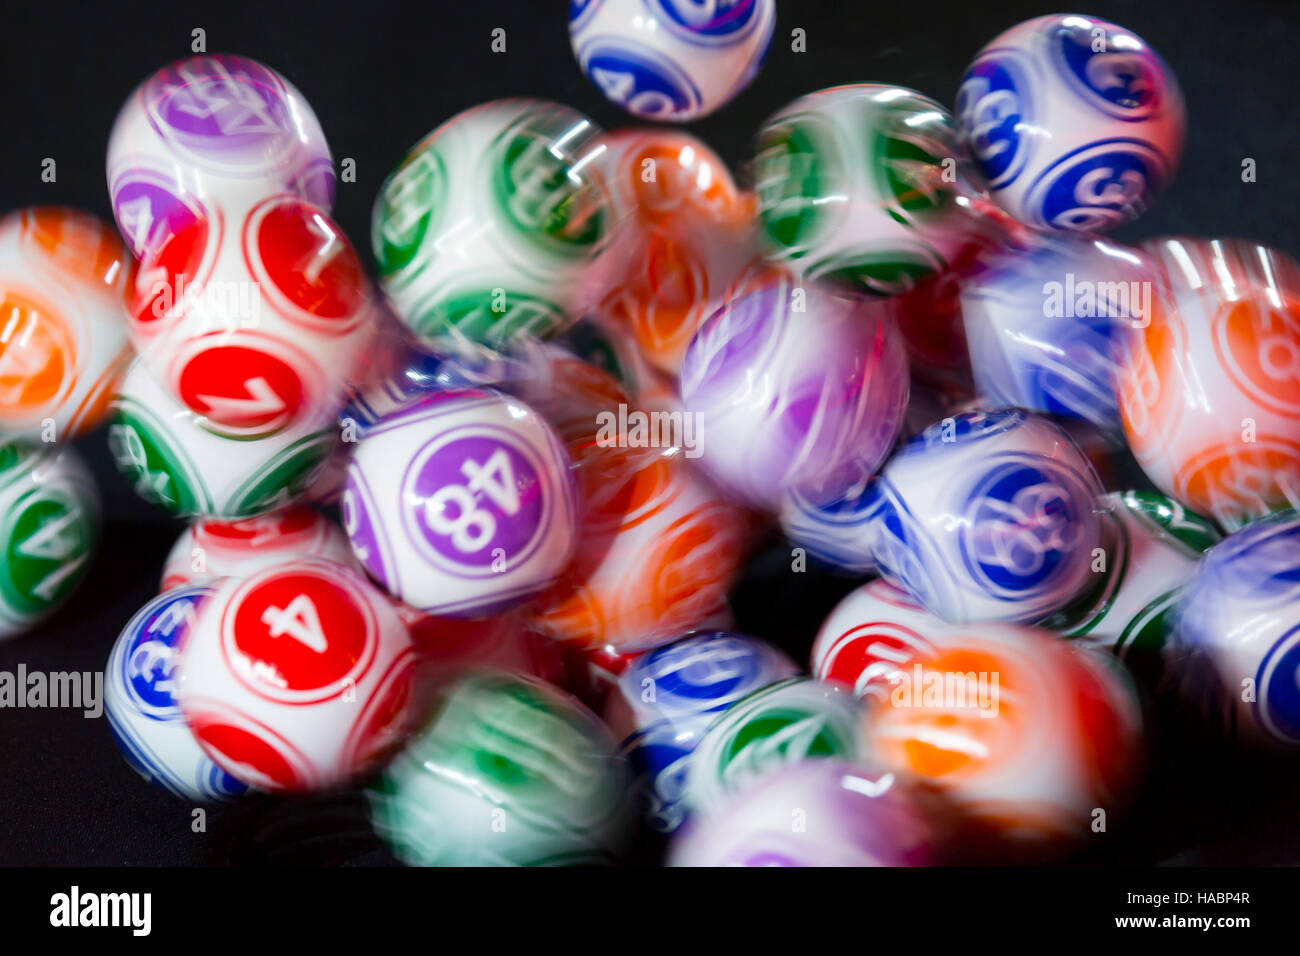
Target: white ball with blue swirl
1236	637
833	529
1047	327
1075	123
139	700
671	60
989	516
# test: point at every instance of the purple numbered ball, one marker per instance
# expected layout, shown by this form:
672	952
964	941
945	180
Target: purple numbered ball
794	387
210	137
461	504
813	813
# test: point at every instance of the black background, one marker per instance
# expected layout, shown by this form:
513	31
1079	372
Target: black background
382	74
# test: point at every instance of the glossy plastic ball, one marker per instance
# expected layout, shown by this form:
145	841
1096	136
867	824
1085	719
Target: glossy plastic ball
63	342
208	549
507	771
140	701
176	460
1047	328
782	724
482	232
812	813
793	386
49	526
1075	123
211	133
1029	741
667	698
835	530
1210	392
298	678
670	60
859	185
988	516
254	321
1236	639
462	504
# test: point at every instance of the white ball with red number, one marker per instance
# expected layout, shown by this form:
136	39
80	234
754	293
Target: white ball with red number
253	319
462	504
298	678
210	549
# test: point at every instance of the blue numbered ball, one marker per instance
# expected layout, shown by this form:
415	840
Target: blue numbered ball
140	684
833	529
1236	636
1075	123
988	516
1046	328
668	697
671	60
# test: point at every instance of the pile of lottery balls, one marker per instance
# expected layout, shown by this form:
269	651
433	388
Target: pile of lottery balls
465	538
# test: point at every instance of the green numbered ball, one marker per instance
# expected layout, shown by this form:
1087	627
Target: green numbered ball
781	724
861	184
482	232
508	771
49	509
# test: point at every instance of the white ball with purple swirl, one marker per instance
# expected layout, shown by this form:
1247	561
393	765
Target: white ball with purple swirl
1236	638
1075	123
1046	328
988	516
794	387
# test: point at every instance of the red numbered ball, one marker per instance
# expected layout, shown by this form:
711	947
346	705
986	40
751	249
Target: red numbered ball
461	504
298	678
209	132
63	343
253	321
210	549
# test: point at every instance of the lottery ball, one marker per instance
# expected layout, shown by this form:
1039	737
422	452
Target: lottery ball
670	60
1032	743
50	526
793	385
64	348
508	771
667	698
859	185
988	516
682	233
453	646
1046	329
140	701
871	634
298	678
207	549
779	725
834	531
482	232
1236	635
1210	391
255	321
211	133
1151	547
658	550
1075	124
462	504
174	459
812	813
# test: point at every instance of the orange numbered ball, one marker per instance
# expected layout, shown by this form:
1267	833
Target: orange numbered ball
1210	389
1022	734
299	677
63	340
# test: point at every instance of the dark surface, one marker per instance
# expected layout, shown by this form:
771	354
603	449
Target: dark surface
381	75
